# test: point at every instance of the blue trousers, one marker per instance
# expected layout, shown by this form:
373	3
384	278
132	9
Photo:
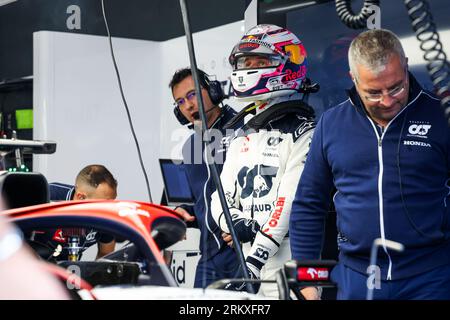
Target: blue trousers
224	264
430	285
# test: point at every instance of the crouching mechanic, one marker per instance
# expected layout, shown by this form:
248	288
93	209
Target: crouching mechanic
264	162
92	182
217	260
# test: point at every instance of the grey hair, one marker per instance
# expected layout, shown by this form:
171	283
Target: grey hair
373	49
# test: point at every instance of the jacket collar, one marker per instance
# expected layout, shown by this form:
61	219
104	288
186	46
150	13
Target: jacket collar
226	113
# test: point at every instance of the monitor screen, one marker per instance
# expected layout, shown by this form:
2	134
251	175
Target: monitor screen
176	184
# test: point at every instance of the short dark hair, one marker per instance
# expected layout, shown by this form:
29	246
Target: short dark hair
182	74
95	174
373	49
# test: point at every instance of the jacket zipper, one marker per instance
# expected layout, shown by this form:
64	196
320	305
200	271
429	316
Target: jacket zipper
380	179
380	194
380	186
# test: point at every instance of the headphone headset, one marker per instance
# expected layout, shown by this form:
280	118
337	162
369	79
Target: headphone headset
215	93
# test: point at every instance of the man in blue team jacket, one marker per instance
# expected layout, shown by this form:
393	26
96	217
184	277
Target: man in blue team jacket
386	150
217	261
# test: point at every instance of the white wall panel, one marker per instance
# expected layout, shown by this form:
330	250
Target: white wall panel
77	103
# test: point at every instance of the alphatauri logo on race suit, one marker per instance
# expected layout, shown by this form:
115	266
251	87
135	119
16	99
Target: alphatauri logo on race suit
256	182
274	141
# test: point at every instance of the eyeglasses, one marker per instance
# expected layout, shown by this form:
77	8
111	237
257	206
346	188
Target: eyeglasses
394	92
181	101
377	97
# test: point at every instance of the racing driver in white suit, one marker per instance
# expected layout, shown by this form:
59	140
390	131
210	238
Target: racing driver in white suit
265	160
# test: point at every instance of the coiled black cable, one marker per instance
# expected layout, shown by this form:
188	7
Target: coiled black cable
348	17
437	64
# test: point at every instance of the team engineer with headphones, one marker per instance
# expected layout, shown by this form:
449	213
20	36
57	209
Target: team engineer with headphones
217	260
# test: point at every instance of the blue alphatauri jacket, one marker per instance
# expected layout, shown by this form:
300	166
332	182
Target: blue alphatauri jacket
391	184
202	184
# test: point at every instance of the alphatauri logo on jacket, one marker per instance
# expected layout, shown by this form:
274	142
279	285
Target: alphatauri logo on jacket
256	182
419	129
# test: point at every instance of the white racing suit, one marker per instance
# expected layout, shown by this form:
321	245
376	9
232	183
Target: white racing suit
259	178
